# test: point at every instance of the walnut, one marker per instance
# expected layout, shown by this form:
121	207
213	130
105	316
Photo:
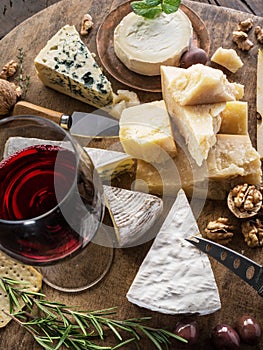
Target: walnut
253	232
220	230
244	200
245	25
86	24
8	96
9	70
259	34
242	40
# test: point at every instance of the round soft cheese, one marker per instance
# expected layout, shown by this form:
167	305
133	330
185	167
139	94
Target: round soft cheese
143	45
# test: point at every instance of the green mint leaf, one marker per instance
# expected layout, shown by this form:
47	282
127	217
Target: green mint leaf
141	8
170	6
153	8
152	3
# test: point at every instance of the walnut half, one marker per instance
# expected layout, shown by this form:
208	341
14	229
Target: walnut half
245	25
253	233
244	200
259	34
242	40
220	230
8	96
9	69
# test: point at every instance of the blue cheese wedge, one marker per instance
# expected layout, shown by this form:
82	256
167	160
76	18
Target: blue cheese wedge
132	213
175	277
110	164
143	45
65	64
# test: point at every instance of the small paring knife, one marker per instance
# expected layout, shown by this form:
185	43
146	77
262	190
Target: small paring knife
245	268
93	124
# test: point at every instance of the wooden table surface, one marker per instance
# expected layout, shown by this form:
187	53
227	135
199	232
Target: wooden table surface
237	298
14	12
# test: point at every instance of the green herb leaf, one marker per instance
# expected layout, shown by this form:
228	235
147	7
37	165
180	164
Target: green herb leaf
170	6
55	325
152	8
152	3
142	8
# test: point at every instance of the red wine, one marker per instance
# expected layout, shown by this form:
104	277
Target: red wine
38	185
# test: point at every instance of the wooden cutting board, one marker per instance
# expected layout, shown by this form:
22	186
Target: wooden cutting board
237	298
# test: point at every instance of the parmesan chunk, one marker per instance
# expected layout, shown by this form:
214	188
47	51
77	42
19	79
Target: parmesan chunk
234	118
200	84
232	156
146	133
231	161
227	58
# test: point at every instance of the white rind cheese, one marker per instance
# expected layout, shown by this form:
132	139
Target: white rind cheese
65	64
146	132
143	45
132	213
175	277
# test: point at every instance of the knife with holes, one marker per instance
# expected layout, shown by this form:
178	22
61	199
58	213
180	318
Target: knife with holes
245	268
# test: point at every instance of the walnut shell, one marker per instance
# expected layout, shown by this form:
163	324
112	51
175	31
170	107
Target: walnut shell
8	96
244	201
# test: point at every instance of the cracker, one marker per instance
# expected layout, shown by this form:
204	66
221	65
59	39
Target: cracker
19	272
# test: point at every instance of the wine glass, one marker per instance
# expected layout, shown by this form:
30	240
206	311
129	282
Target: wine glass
51	204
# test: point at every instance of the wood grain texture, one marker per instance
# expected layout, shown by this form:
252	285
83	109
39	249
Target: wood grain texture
237	298
12	13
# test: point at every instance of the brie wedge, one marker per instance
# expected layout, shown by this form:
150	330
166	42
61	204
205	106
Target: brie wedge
132	213
143	45
175	277
146	132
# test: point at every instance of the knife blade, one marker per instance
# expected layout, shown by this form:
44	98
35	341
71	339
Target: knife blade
245	268
259	102
95	124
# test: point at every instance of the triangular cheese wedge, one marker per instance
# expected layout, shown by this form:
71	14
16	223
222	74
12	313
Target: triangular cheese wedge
66	65
175	277
110	164
132	213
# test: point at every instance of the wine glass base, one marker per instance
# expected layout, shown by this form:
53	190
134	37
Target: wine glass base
81	272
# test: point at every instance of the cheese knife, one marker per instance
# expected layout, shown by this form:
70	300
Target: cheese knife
245	268
95	124
259	103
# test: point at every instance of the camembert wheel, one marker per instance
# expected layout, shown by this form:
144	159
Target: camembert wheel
143	45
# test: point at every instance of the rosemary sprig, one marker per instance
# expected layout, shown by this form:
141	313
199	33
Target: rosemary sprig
54	324
152	8
22	80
